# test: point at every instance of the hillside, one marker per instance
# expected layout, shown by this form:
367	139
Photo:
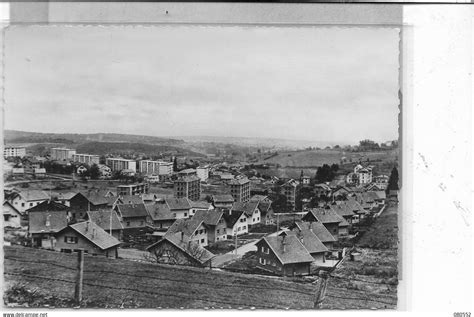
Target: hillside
314	158
13	136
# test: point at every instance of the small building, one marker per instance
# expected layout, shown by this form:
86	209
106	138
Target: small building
215	224
161	215
132	215
81	169
250	210
104	171
305	180
327	217
283	255
194	229
223	201
322	190
108	220
199	205
24	200
39	173
18	171
11	216
236	223
318	229
265	207
178	249
312	243
133	189
89	237
43	225
88	201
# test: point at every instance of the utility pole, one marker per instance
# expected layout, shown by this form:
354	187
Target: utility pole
278	222
236	244
321	291
80	276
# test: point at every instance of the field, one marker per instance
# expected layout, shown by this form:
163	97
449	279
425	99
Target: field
115	282
314	158
383	233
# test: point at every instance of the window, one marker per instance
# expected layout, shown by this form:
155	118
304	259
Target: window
185	214
265	250
218	232
31	204
262	261
258	218
244	227
128	223
141	223
70	239
202	240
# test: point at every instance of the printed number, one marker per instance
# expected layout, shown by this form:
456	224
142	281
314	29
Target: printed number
462	314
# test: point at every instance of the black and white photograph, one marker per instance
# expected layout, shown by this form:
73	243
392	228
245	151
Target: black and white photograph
202	166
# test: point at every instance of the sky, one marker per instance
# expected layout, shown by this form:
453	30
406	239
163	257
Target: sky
308	83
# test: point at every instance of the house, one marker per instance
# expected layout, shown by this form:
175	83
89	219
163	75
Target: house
380	197
74	215
132	215
43	225
132	189
161	215
24	200
236	223
305	180
39	172
312	243
11	216
265	207
149	198
318	229
130	199
381	181
180	207
178	249
81	169
341	192
283	255
18	171
250	210
322	190
327	217
199	205
104	171
89	237
352	179
345	211
108	220
356	208
194	229
222	201
240	189
64	198
215	224
88	201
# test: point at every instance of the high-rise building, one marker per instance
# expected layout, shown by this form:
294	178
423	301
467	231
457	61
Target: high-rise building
88	159
120	164
148	167
290	189
240	189
62	154
188	186
203	173
14	151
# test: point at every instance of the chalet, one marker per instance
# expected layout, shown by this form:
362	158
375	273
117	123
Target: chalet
105	171
372	187
380	197
18	171
64	198
215	224
345	211
312	243
180	207
318	229
199	205
74	215
43	225
283	255
381	181
11	216
87	236
223	201
81	169
108	220
149	198
130	199
24	200
322	190
343	228
341	192
250	210
236	223
161	215
265	207
39	172
178	249
132	215
194	229
88	201
305	180
327	217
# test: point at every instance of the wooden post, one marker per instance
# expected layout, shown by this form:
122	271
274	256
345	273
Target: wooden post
321	291
80	276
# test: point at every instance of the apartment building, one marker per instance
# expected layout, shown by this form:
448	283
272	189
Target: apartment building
14	151
240	189
119	164
132	189
62	154
149	167
89	159
290	189
203	173
188	186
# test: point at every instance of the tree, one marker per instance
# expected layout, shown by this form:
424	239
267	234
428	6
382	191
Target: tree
326	173
175	164
94	171
393	180
169	254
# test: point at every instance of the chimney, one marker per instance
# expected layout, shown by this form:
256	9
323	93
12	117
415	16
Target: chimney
283	243
48	222
182	236
93	233
87	226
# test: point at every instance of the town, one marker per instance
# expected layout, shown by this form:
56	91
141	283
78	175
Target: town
272	213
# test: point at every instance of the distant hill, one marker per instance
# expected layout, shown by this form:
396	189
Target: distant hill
13	136
102	148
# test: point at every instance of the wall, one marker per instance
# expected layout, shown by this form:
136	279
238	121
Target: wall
81	244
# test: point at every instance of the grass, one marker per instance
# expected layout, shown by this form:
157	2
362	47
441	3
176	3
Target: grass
221	247
383	233
148	285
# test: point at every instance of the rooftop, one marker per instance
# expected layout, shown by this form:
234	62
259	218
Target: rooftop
288	249
95	234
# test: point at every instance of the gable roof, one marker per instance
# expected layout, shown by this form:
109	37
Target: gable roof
183	243
48	205
209	217
318	229
323	215
222	198
94	198
258	197
9	208
132	210
160	211
103	218
38	221
95	234
310	241
294	251
343	210
239	181
199	204
248	208
130	199
232	217
178	203
34	195
354	205
187	226
65	196
344	223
